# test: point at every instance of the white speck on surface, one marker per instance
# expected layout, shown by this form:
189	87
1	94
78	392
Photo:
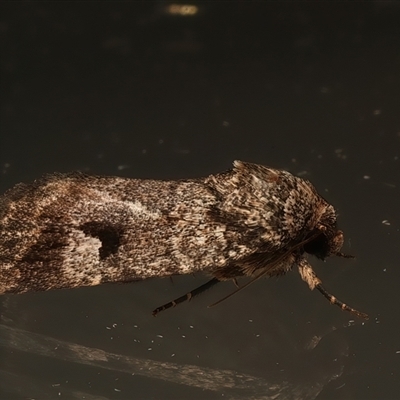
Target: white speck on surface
5	168
340	154
366	177
385	222
302	173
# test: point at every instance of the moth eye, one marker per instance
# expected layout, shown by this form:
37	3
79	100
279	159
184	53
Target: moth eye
318	246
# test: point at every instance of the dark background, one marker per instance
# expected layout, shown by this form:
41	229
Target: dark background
133	89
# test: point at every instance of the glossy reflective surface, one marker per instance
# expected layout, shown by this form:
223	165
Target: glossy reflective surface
159	91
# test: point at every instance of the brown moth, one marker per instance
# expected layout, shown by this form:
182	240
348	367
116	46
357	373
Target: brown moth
72	230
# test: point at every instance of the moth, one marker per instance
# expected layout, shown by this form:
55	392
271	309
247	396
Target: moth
73	230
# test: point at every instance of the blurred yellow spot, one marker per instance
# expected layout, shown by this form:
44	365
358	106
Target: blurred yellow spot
182	9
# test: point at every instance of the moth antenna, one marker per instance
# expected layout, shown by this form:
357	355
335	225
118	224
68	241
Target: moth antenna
187	296
266	269
343	255
257	277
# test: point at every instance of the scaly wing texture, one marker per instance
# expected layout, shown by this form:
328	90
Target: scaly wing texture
69	230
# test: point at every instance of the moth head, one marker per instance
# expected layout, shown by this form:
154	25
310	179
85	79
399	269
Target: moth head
327	239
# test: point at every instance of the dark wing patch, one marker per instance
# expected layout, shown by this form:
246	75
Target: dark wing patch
109	235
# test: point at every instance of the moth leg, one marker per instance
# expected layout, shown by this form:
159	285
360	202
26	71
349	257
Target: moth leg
308	275
187	296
